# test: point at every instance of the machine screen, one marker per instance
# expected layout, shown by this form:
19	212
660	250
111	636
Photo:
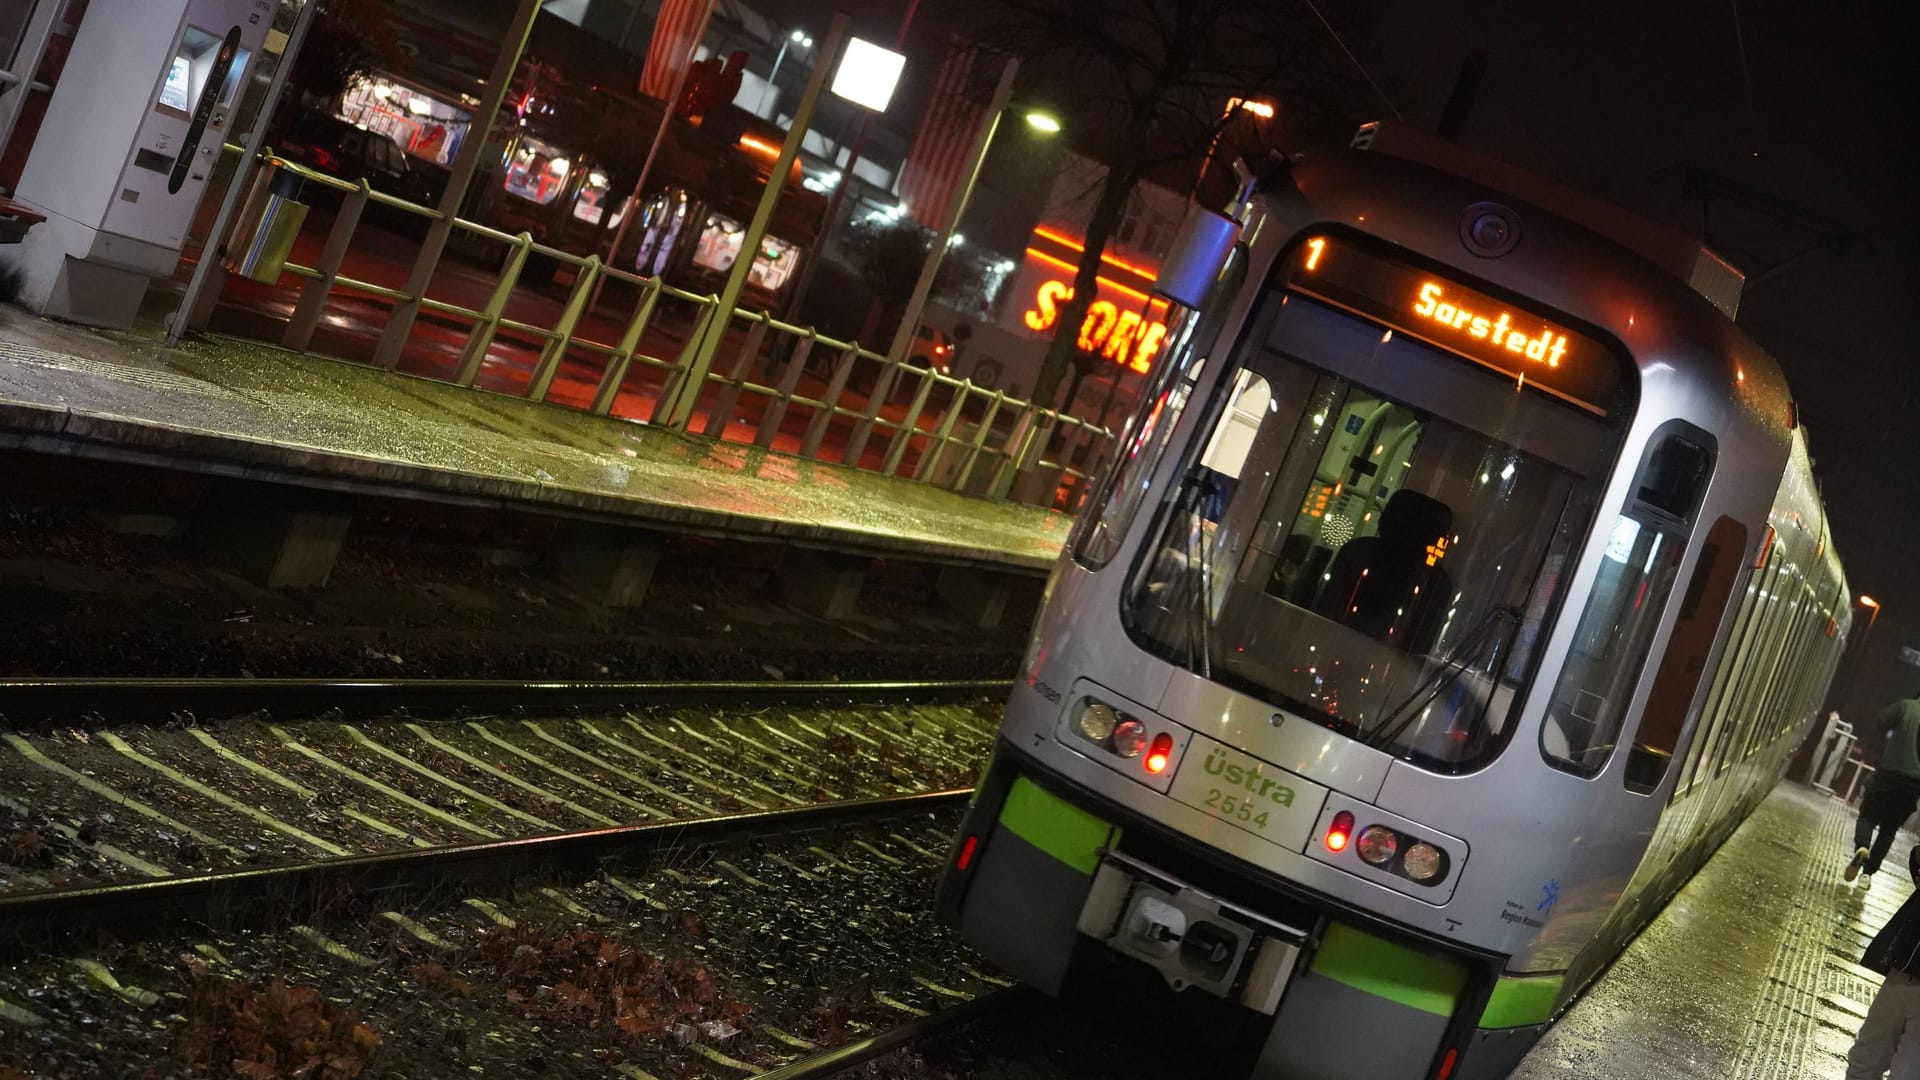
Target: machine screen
175	93
192	62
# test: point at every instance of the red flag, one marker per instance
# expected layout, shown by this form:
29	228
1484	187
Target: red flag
931	179
678	29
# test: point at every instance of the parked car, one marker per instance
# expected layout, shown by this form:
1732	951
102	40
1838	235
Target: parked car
933	349
336	147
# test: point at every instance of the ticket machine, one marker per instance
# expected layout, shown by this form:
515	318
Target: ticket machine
132	134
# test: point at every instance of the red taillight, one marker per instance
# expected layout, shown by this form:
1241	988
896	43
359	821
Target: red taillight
1447	1062
321	158
967	848
1340	831
1160	753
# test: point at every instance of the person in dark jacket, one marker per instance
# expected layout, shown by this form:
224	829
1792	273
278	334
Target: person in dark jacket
1894	789
1890	1035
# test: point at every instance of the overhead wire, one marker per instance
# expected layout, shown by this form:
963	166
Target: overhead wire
1746	75
1331	32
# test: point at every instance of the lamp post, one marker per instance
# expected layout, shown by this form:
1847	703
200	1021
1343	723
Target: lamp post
1860	651
1261	109
863	73
798	37
910	318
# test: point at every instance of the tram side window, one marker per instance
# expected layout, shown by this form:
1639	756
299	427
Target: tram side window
1637	573
1162	401
1716	722
1678	680
1139	453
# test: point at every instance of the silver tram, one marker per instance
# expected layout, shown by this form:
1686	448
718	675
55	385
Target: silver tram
1460	585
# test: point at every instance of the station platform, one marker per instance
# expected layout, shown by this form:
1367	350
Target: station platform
1752	971
250	411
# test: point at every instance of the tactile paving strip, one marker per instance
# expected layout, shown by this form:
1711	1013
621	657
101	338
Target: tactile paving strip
1816	993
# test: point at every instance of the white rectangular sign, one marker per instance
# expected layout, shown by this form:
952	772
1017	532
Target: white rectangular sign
1910	654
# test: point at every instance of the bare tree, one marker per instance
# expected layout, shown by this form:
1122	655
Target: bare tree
349	41
1146	84
889	254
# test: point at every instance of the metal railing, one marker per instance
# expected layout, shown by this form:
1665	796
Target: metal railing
952	433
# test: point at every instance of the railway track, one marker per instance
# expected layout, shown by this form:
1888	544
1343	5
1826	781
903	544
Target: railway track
35	703
789	943
99	802
398	852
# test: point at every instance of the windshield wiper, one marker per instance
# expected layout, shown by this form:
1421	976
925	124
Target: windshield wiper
1455	665
1199	573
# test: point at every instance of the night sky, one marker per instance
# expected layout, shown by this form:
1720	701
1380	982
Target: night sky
1813	105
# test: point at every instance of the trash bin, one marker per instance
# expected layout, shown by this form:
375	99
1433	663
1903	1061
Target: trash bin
274	218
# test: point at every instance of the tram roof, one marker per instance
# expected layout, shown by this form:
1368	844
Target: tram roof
1685	258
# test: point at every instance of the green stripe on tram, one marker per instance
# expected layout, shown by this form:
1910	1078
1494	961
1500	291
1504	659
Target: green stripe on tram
1522	1002
1384	969
1054	825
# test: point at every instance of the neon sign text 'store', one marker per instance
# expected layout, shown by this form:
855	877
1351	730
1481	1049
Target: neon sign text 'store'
1125	337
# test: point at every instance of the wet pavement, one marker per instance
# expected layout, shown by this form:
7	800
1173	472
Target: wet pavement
1752	971
242	409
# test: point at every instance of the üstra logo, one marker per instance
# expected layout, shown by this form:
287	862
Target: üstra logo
1240	776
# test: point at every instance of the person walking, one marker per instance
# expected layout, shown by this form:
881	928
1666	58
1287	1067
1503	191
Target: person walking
1890	1035
1894	789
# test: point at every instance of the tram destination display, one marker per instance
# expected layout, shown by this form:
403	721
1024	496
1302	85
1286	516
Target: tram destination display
1531	349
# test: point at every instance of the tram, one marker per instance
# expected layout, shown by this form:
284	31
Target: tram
1460	585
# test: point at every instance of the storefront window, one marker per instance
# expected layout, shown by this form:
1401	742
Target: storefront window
428	128
590	205
537	171
720	245
662	220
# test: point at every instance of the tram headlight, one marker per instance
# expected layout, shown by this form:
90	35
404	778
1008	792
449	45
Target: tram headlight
1097	721
1424	863
1376	845
1129	738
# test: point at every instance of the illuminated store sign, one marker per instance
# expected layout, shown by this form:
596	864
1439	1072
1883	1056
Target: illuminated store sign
1534	351
1122	336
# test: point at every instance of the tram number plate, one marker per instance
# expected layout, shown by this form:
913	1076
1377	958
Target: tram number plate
1248	793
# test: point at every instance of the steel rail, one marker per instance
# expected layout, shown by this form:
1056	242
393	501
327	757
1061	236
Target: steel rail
916	1030
28	702
308	892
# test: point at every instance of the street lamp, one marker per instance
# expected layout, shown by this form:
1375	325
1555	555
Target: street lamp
797	37
1852	692
910	318
1262	109
1042	122
862	72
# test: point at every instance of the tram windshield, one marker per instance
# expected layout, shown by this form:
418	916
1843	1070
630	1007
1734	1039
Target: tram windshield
1371	534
